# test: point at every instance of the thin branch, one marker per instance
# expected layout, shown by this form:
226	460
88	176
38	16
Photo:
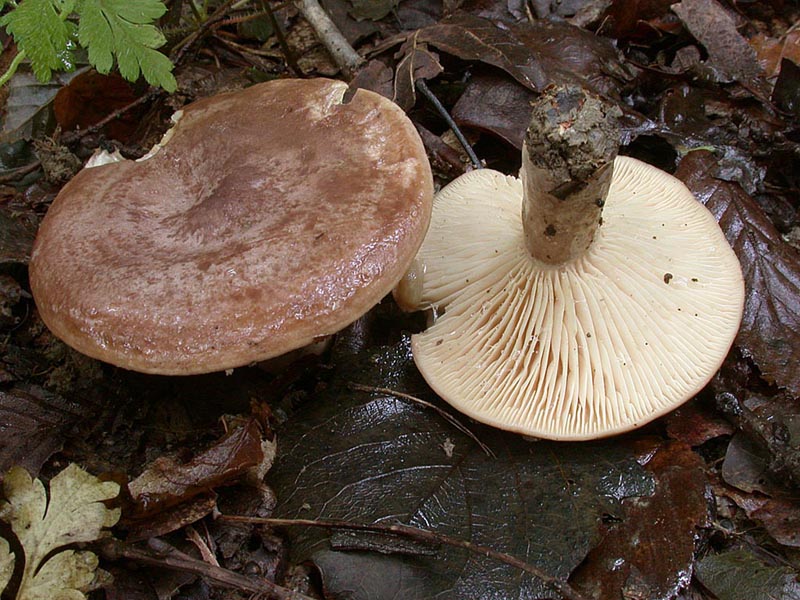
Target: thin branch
73	136
159	553
443	413
288	53
426	91
343	54
431	537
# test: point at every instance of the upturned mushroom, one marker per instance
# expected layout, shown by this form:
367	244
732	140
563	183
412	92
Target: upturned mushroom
584	299
267	218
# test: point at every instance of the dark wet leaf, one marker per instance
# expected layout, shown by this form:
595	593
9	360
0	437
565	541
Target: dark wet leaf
373	10
652	546
370	457
492	102
473	38
33	424
89	97
729	54
746	465
786	93
694	423
416	62
740	575
168	482
28	105
636	19
770	331
16	235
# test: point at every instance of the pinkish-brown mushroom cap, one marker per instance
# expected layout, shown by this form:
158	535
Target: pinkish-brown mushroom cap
270	217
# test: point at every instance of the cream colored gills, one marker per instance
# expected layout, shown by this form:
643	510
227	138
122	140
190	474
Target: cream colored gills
587	347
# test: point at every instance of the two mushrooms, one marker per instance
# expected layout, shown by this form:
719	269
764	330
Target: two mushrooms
587	298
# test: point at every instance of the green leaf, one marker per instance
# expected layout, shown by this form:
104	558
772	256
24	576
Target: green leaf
42	34
123	29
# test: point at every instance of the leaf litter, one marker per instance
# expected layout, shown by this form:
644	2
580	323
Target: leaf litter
686	79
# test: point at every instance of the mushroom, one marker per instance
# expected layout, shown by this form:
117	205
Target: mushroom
267	218
583	300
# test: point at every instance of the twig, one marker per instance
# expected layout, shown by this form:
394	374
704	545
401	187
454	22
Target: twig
426	91
343	54
288	53
178	52
74	136
443	413
422	535
161	554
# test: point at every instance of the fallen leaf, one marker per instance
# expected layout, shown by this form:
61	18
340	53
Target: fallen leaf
373	10
417	62
6	563
739	575
473	38
772	51
89	97
635	19
770	330
33	423
695	423
652	545
168	482
375	458
786	93
729	54
492	102
75	512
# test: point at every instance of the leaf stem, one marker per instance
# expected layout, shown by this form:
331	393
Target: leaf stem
432	537
12	68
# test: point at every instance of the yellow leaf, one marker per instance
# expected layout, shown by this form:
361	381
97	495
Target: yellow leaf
74	513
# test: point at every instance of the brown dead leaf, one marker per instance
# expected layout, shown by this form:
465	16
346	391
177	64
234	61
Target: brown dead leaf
417	62
729	54
770	330
695	423
33	423
168	482
650	551
771	51
473	38
90	97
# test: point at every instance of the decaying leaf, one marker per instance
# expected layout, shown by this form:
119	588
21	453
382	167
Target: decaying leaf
74	513
372	457
739	575
6	563
33	422
770	330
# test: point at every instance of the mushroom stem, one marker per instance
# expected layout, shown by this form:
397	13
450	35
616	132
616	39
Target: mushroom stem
567	164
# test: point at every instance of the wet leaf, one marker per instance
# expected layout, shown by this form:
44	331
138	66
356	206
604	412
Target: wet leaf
373	457
739	575
73	513
33	423
771	51
770	331
473	38
373	10
89	97
729	54
695	423
28	105
168	482
652	545
417	62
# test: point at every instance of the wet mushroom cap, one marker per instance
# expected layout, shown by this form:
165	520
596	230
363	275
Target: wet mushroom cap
272	216
596	346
